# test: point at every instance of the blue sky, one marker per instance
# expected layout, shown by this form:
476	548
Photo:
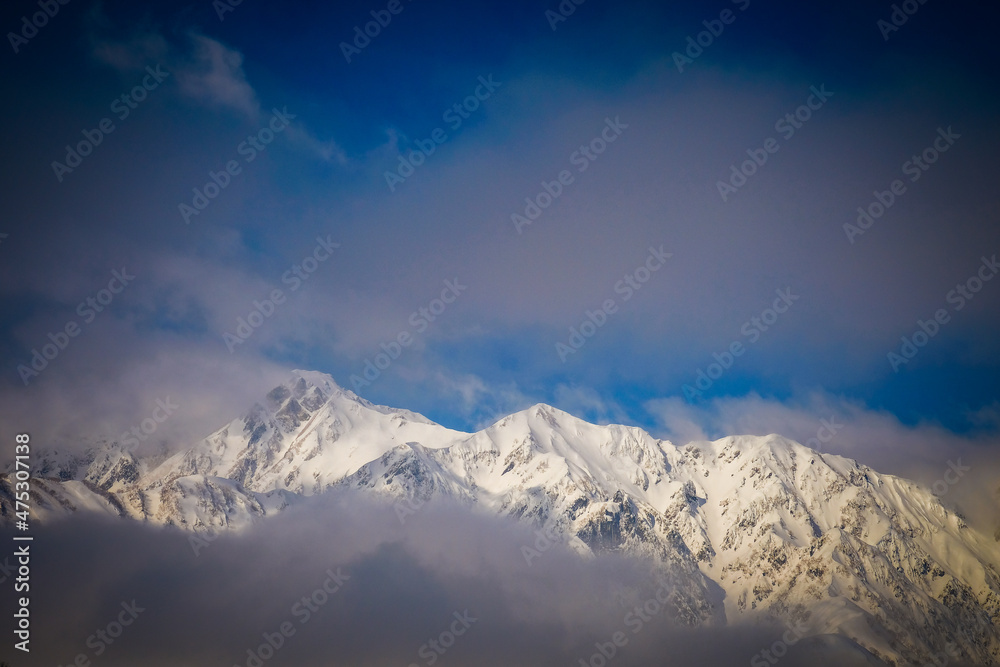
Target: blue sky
555	99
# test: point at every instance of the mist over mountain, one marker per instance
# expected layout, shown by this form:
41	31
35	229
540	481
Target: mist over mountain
775	546
639	333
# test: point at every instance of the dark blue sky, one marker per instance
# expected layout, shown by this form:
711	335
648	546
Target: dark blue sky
651	180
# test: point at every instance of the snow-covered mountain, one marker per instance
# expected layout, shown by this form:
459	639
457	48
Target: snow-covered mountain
748	528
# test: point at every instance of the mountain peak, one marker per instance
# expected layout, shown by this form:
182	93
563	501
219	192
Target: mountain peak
316	379
548	414
751	527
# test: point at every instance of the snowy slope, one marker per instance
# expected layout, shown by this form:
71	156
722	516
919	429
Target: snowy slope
749	528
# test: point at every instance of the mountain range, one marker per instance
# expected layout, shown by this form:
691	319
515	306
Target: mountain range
747	528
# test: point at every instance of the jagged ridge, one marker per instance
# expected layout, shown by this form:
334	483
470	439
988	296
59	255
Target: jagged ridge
783	531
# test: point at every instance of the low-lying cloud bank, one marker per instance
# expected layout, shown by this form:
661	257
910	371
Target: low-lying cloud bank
340	581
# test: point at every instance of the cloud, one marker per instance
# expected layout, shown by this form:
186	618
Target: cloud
924	452
986	417
588	404
160	337
327	150
394	590
206	71
215	77
480	403
133	53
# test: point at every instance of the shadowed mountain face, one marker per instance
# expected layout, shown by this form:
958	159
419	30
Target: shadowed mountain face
746	529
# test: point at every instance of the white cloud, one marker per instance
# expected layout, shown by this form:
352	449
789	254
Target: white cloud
586	403
923	452
214	76
204	69
133	53
206	72
328	150
480	403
